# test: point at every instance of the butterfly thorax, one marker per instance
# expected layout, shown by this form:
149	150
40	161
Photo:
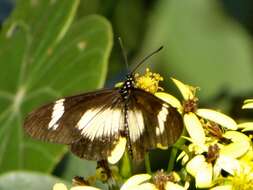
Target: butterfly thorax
127	86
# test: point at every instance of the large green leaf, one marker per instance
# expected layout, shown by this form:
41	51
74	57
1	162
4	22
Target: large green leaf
28	181
44	56
203	46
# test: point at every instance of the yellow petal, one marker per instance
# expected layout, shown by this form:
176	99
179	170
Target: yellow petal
194	128
144	186
173	101
173	186
118	151
185	90
217	117
248	104
246	126
235	150
84	188
60	186
227	163
204	176
194	164
239	146
184	157
135	180
201	170
222	187
236	136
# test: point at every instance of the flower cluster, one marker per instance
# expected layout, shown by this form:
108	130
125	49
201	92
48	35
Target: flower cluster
216	152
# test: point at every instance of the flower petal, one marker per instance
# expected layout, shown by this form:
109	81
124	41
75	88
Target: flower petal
229	164
173	186
173	101
217	117
194	164
60	186
135	180
235	150
118	151
204	176
239	146
248	104
201	170
246	126
194	128
236	136
144	186
185	90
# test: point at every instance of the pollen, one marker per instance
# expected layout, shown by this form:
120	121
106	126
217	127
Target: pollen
148	82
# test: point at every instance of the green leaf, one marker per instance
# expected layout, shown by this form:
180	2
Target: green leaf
75	166
43	56
203	46
28	181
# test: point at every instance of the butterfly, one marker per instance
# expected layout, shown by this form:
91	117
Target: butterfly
92	123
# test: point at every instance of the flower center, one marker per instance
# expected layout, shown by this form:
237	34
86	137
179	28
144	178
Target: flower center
190	105
148	82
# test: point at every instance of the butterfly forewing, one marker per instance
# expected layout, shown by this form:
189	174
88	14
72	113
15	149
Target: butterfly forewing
152	123
101	133
58	122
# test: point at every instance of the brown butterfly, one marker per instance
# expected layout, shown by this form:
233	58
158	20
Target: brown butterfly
92	123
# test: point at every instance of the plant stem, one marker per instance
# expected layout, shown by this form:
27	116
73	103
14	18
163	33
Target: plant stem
147	163
174	151
173	155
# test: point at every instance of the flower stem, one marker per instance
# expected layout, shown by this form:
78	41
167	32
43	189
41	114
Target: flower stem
173	154
147	163
174	151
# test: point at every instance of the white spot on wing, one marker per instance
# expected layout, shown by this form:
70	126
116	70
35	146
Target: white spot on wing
135	124
57	113
162	116
98	123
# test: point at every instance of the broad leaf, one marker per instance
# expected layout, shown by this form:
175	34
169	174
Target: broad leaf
43	56
202	46
28	181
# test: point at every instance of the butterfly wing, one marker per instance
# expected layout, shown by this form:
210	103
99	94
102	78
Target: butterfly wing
152	123
59	122
102	132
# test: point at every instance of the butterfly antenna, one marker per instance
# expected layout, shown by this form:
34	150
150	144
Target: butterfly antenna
145	58
123	52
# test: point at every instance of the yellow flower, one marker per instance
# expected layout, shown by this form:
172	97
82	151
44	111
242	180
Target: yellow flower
148	82
191	113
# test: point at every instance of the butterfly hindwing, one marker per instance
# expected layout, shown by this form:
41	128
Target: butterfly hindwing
58	121
152	123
